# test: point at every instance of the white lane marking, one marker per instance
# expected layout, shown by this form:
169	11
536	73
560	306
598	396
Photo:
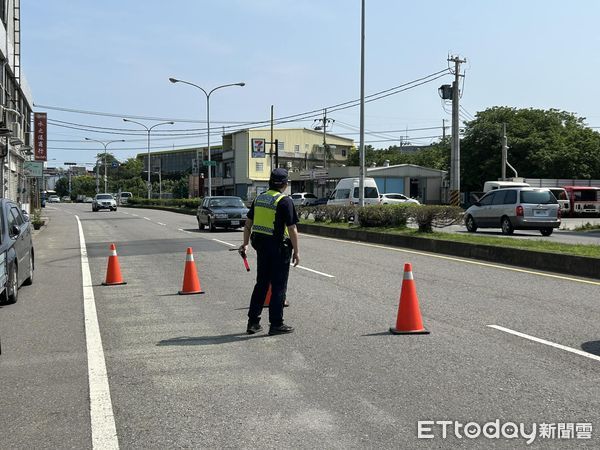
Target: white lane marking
163	224
315	271
450	258
134	215
148	218
299	267
184	231
226	243
104	431
543	341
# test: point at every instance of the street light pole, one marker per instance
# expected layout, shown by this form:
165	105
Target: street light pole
148	130
105	144
207	94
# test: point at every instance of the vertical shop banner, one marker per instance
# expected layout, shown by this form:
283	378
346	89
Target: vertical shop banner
258	148
40	129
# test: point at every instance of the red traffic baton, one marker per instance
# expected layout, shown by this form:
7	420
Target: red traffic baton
243	255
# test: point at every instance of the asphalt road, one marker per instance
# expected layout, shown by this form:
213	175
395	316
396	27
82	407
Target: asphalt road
183	374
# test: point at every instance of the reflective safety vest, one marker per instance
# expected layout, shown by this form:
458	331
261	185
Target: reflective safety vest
265	208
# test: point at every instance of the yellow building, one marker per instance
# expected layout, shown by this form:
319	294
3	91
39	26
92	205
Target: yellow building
249	156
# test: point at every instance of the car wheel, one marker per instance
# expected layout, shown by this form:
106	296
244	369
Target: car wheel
29	280
12	286
546	231
470	224
200	224
211	226
507	227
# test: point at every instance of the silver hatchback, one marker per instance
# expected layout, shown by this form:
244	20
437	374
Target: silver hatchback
515	209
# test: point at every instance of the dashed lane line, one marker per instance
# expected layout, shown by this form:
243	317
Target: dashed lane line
104	432
298	267
545	342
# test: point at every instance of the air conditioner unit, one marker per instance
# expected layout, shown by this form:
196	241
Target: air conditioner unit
17	135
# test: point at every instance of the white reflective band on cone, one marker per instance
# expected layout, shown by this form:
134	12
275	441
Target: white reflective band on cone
113	253
189	257
408	276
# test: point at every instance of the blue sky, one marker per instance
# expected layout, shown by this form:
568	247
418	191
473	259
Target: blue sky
303	55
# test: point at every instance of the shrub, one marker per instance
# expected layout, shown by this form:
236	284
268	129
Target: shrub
191	203
384	215
439	216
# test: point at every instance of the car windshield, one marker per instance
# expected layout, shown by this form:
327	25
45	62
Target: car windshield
537	197
226	203
104	197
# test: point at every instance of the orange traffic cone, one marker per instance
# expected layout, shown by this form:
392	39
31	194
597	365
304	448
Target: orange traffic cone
191	282
409	316
113	272
267	298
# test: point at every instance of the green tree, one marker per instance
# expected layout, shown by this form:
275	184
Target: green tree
542	144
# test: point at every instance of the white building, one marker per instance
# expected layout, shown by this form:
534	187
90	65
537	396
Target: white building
15	106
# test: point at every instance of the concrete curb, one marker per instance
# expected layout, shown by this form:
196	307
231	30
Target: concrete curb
581	266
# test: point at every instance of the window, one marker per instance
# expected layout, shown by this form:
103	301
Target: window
499	198
259	166
538	197
297	148
306	148
487	199
281	146
510	198
370	192
342	194
310	196
344	152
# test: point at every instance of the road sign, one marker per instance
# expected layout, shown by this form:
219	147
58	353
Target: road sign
70	164
209	163
115	164
33	168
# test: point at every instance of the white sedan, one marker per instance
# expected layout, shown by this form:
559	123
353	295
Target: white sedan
393	199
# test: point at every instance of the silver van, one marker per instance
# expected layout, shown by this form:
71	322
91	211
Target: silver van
515	209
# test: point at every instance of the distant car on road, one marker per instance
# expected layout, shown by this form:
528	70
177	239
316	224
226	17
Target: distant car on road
54	199
124	197
221	211
88	200
321	201
16	251
304	199
392	199
65	199
104	201
515	209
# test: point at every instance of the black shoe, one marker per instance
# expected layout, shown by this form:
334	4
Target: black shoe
286	303
281	329
253	328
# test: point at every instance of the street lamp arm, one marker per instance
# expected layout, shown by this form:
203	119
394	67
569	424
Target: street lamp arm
224	86
133	121
175	80
162	123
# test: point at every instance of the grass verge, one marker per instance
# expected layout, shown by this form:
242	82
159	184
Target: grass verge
535	244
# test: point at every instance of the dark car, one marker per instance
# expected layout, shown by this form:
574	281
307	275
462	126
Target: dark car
16	251
221	211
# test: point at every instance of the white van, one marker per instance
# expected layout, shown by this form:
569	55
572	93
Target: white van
347	192
563	199
491	185
124	197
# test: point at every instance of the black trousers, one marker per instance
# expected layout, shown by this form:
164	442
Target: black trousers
273	268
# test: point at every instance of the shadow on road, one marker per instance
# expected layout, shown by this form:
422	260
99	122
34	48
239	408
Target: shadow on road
381	333
592	347
210	340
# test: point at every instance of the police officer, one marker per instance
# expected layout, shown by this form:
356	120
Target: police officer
271	228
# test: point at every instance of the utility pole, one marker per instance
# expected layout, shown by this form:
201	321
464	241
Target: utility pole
455	149
504	151
444	129
362	171
324	122
271	143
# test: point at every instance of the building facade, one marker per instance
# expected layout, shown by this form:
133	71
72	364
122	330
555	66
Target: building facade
248	156
15	107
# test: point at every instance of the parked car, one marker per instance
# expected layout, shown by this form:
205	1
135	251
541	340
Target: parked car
304	199
321	201
563	199
16	251
391	199
88	200
492	185
104	201
515	209
54	199
347	192
65	199
221	211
